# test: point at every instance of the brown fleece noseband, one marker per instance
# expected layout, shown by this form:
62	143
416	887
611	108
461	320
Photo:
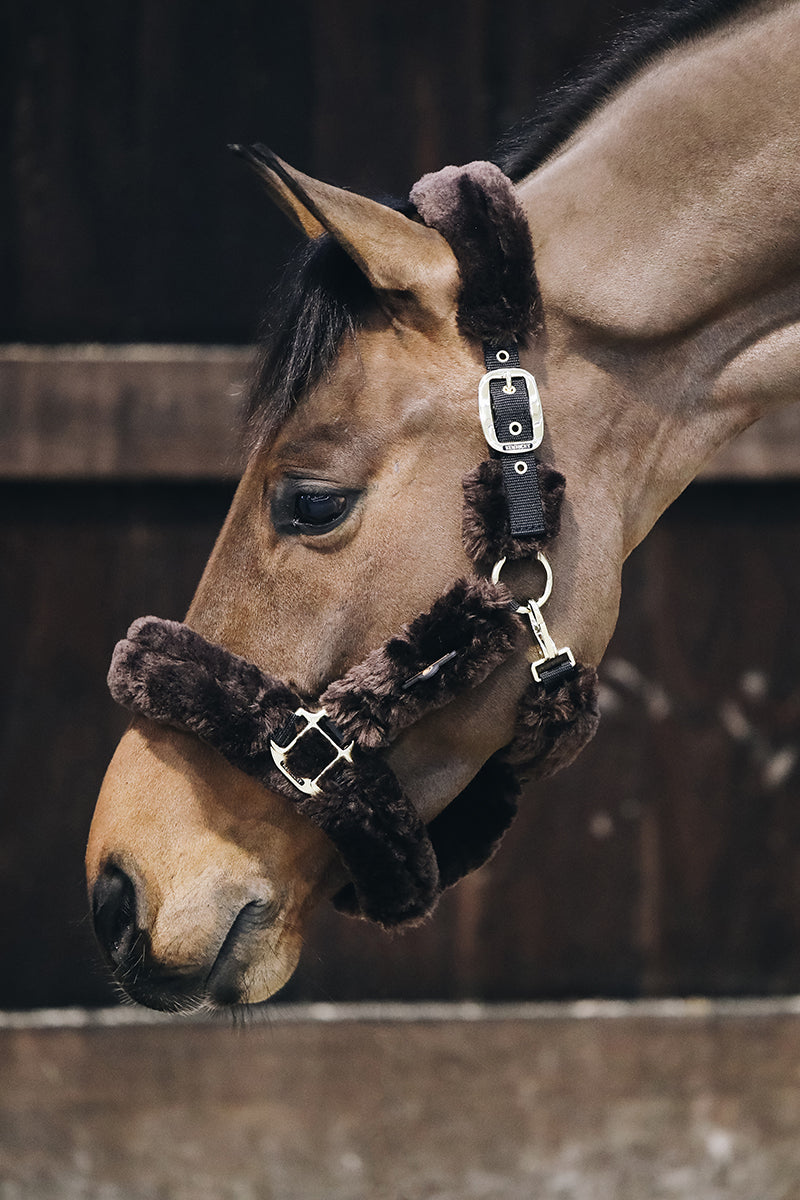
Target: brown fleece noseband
324	753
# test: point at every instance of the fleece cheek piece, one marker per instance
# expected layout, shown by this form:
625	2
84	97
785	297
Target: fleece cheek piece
486	531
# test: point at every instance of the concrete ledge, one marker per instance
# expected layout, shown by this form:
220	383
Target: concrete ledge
698	1008
144	412
691	1099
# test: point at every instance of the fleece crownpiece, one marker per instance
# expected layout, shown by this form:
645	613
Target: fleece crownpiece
476	210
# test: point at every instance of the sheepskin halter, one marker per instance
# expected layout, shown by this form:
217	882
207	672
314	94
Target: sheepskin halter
324	753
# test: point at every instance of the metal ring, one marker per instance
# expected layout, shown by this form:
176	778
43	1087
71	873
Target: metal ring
502	356
515	428
548	583
521	467
548	580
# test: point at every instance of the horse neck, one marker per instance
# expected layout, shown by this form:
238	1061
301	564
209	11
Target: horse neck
667	239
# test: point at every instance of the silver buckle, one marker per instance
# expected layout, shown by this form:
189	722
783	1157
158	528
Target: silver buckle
305	784
487	416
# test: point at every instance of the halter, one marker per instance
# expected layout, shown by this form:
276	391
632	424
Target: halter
324	753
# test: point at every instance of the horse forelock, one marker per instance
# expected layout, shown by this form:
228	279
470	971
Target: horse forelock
321	298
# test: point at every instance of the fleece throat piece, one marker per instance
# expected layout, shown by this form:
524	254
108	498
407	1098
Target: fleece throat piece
324	753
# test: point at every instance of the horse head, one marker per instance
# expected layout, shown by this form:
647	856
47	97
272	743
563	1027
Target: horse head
346	525
354	599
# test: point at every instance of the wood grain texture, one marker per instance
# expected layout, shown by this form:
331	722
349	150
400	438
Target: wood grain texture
700	1106
172	412
78	562
132	412
123	218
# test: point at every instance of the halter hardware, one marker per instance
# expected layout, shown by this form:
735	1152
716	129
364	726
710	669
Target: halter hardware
430	671
554	663
550	654
313	720
534	408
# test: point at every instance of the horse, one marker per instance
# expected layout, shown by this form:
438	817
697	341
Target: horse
660	199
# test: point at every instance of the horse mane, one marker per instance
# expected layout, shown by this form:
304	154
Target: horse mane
324	297
534	139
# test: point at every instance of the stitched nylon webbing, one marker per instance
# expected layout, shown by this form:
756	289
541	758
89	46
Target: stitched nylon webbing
556	672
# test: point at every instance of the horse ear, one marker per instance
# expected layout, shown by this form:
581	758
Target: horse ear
409	265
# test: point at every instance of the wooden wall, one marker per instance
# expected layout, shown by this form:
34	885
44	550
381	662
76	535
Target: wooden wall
123	217
666	860
694	1101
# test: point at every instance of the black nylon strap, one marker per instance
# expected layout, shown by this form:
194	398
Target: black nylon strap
497	357
512	422
556	671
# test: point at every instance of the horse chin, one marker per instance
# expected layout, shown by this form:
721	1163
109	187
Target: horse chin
252	965
262	979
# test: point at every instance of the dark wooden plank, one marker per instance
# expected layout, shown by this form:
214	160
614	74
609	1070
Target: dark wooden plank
400	90
133	412
694	1103
160	411
77	564
122	218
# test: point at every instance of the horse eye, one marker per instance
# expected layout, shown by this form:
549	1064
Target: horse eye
318	510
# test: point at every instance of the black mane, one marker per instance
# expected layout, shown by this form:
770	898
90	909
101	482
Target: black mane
323	296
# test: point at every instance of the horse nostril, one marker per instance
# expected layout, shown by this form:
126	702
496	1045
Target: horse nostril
224	980
114	913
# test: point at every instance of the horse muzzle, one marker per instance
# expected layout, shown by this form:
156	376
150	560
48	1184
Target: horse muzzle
244	956
199	879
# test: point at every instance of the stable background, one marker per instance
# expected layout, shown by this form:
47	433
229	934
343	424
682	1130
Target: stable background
135	258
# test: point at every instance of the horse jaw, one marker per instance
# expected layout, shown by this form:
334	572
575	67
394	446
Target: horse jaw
219	917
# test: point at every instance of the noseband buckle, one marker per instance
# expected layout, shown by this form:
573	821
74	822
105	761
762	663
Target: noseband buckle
321	722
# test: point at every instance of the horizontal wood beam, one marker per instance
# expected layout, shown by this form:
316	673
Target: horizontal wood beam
770	449
642	1105
138	412
145	412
